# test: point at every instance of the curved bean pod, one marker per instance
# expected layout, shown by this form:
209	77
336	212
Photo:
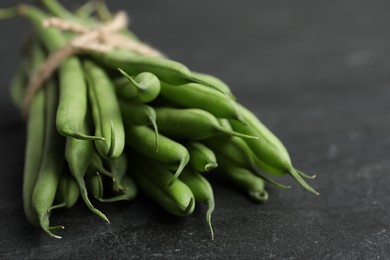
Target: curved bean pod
194	95
106	112
141	139
191	123
51	167
202	158
202	190
176	198
146	84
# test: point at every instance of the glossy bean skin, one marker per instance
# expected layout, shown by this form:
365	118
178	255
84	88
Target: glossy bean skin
202	159
138	114
35	136
195	95
94	184
146	85
269	149
245	180
79	154
118	168
191	123
212	80
68	191
166	70
142	140
52	165
17	88
106	112
34	152
154	180
202	190
235	149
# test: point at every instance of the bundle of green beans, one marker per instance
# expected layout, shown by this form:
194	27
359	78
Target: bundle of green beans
175	124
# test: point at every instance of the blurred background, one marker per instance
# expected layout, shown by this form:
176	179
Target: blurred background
316	73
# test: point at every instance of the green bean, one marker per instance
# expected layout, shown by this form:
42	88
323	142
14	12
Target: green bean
106	112
124	89
72	106
34	152
51	167
67	191
201	157
191	123
35	136
194	95
236	150
146	84
212	80
166	70
118	168
18	85
97	165
269	149
85	10
94	184
138	115
154	180
202	190
141	139
225	123
128	192
245	180
79	155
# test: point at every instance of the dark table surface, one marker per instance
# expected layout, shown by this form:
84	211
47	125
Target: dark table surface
316	73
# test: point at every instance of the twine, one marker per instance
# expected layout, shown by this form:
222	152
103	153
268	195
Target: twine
101	39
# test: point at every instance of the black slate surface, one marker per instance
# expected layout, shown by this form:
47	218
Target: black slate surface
316	73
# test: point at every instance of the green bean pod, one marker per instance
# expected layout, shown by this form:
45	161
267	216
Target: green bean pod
17	89
269	149
52	165
245	180
106	112
68	191
202	158
94	184
118	168
35	134
191	123
141	139
202	190
225	123
79	155
194	95
146	85
176	198
34	151
139	114
166	70
235	149
128	192
97	165
212	80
